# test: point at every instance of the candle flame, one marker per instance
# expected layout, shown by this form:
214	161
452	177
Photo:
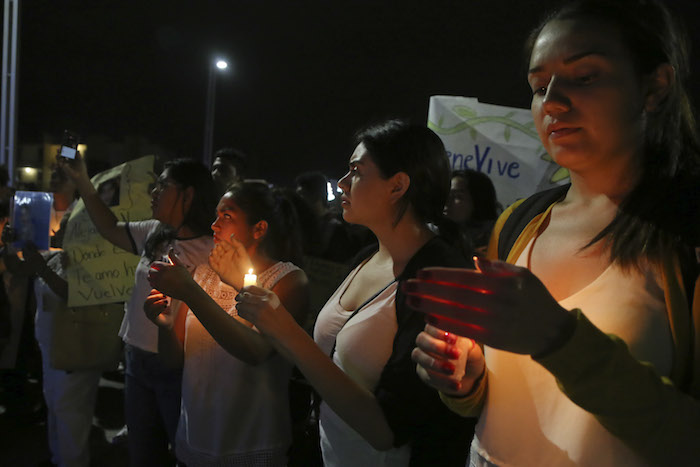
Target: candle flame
250	271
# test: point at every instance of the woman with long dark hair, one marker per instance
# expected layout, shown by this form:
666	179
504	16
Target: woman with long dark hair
375	410
588	334
182	201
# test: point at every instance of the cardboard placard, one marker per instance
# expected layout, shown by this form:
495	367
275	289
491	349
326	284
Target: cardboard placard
99	272
499	141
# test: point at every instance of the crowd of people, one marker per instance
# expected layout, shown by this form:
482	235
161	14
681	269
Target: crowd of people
562	331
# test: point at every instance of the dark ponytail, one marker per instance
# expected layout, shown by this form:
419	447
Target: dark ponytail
258	201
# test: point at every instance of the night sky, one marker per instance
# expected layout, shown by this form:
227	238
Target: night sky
304	75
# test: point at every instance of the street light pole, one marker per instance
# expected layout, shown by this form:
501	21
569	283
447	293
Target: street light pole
210	108
8	82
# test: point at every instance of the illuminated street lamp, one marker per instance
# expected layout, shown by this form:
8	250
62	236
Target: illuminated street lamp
215	66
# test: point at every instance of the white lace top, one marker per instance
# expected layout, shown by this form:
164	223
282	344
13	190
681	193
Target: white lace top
232	413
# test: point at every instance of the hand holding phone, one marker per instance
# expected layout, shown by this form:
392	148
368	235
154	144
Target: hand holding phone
69	145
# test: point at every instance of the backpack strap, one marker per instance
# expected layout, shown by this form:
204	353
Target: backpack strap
521	216
681	285
695	379
689	260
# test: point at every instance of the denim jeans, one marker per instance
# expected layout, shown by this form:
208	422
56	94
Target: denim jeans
152	405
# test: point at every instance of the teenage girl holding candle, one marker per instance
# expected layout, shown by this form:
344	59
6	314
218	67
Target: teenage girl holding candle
182	200
376	412
235	405
588	331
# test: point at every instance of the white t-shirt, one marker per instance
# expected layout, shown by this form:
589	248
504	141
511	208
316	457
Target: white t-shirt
232	413
528	421
136	328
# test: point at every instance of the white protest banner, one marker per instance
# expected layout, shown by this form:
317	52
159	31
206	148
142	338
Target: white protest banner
499	141
99	272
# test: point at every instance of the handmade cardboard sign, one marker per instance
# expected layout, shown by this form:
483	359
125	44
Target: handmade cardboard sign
99	272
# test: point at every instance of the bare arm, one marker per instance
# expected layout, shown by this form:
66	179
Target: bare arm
234	334
13	263
357	406
38	265
171	340
34	263
104	219
56	283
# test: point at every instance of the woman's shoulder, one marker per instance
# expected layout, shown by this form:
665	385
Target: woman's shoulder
296	278
286	272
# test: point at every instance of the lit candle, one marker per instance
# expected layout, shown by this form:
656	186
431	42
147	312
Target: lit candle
250	278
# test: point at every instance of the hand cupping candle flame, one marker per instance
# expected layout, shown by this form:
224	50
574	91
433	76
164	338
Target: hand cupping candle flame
498	304
230	260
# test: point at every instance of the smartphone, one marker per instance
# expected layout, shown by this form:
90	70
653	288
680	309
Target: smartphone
69	145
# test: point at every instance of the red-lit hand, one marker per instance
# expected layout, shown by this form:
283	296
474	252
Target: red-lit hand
500	305
447	362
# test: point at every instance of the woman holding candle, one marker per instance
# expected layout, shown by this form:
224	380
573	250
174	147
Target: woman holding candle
588	332
235	406
182	199
376	411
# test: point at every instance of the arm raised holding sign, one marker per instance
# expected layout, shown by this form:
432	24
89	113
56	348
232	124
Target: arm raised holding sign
104	219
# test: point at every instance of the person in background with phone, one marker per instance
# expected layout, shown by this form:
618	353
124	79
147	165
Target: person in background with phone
183	201
69	395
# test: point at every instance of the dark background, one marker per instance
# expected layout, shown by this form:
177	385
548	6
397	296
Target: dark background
304	75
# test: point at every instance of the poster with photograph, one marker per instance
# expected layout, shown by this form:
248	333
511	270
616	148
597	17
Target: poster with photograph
31	218
99	272
499	141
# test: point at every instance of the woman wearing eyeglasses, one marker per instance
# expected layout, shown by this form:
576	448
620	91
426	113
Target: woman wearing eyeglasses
182	202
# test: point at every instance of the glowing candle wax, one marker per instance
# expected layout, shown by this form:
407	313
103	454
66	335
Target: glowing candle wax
250	278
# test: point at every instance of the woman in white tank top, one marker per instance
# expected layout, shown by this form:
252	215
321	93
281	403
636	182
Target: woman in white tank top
235	405
376	411
581	330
